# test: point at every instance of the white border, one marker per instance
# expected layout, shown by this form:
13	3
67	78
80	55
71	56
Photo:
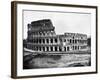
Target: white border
31	72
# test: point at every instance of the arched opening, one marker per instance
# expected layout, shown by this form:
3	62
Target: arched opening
70	41
75	47
55	48
75	41
40	41
51	48
64	40
55	40
47	40
43	40
43	48
51	40
60	49
39	48
67	48
64	48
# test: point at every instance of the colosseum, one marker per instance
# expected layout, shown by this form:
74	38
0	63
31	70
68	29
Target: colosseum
43	38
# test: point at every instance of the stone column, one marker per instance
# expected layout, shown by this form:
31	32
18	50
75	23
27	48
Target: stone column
41	41
53	40
48	48
62	48
53	48
66	48
45	41
57	48
58	40
45	48
39	48
49	41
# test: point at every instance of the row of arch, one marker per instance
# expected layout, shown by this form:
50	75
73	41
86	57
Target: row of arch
56	40
58	48
44	33
50	48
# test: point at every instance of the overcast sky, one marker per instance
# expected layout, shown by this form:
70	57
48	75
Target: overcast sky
62	21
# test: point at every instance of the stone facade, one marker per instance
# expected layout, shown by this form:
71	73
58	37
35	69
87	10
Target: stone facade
42	37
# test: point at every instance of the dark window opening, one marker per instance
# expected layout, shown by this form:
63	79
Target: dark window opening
43	40
64	40
51	48
70	41
55	48
39	40
75	41
64	48
55	40
81	37
75	47
43	48
51	40
60	49
67	48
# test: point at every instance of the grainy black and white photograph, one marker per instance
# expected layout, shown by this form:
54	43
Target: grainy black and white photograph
54	39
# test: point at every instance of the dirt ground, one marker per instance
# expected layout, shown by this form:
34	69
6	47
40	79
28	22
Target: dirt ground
56	61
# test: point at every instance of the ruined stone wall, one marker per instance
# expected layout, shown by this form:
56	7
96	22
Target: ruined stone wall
42	37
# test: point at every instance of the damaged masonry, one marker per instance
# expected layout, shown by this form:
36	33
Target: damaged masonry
43	48
42	37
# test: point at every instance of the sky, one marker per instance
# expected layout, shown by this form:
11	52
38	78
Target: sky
62	21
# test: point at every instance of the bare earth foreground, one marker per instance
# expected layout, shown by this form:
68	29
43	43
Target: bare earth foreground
33	61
